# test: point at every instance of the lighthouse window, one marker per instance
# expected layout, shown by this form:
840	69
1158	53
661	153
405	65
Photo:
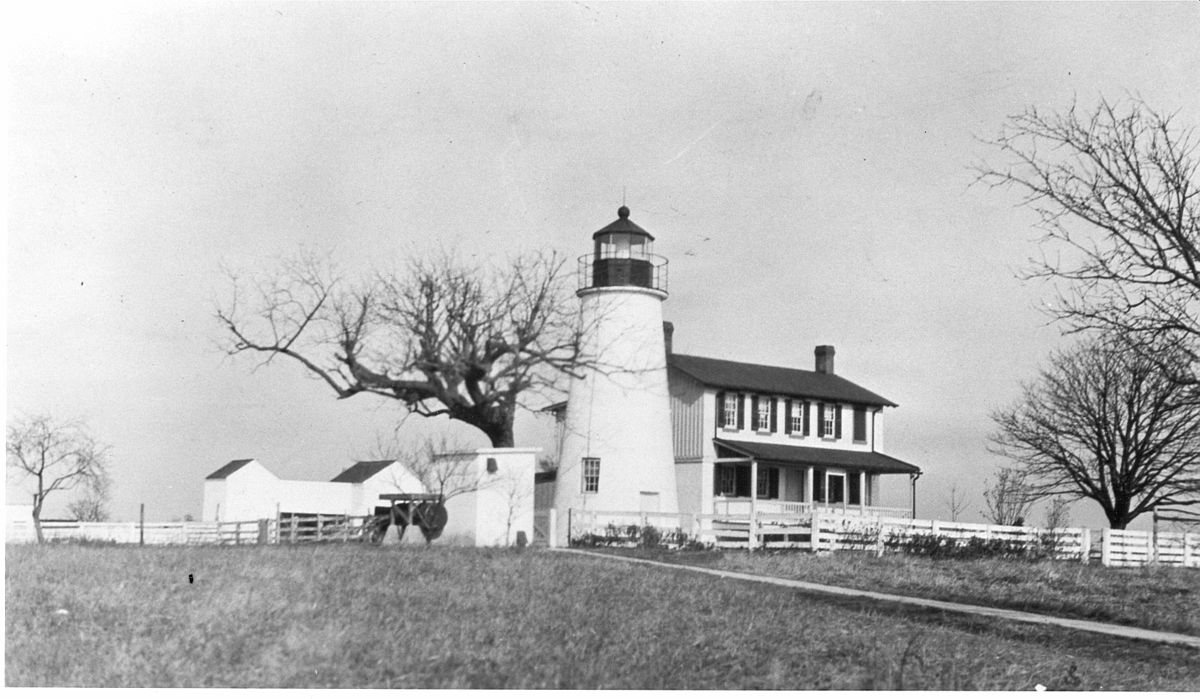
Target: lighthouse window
591	475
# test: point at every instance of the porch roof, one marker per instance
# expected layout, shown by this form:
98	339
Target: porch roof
788	455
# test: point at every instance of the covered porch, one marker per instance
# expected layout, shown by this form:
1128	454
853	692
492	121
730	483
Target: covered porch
753	477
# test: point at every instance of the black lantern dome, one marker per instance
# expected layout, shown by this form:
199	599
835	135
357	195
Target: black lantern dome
624	256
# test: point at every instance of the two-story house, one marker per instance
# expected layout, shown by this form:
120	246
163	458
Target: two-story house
787	438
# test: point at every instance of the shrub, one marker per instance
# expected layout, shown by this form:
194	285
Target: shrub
938	546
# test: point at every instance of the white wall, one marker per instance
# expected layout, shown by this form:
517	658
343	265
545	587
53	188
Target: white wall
482	518
622	414
253	492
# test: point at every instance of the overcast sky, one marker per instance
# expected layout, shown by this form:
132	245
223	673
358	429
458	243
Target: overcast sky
805	168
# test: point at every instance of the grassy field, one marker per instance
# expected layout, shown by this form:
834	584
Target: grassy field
1167	599
351	616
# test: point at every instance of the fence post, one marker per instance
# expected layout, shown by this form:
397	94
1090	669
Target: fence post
142	525
815	537
292	530
262	531
277	523
1187	549
1085	545
1106	547
552	525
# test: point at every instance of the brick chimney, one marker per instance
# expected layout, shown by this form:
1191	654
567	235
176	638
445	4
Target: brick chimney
824	355
668	333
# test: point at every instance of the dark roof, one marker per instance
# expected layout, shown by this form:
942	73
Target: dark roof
227	469
361	471
721	373
786	454
622	225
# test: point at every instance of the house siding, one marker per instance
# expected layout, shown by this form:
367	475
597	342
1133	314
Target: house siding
687	417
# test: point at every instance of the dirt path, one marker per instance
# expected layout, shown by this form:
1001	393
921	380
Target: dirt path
958	608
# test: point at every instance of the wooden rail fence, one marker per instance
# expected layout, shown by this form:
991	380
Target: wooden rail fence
294	529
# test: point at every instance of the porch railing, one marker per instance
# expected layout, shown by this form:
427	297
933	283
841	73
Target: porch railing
741	507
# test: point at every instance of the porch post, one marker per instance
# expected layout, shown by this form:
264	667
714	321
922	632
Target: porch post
862	492
753	502
808	486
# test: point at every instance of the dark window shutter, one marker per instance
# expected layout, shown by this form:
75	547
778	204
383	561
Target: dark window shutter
807	415
837	422
773	487
741	417
774	415
720	409
860	423
754	413
820	419
787	416
743	481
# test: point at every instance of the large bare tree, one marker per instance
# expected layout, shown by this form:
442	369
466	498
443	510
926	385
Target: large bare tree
441	337
51	456
1105	423
1118	199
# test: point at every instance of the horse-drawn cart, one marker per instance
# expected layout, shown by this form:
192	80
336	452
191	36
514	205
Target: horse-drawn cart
425	511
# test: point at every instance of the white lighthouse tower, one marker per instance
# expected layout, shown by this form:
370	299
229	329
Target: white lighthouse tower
616	452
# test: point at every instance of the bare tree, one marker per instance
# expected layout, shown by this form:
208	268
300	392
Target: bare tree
1057	515
53	456
1105	423
1008	499
1119	204
442	338
957	502
92	506
445	467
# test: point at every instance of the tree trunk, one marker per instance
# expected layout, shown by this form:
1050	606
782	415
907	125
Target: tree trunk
501	435
37	519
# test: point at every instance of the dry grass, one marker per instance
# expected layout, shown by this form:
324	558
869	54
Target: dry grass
1166	599
350	616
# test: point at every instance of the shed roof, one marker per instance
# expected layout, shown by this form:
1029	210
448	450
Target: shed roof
722	373
228	469
788	455
361	471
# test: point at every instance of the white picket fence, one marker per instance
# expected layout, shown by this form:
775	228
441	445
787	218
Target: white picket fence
838	530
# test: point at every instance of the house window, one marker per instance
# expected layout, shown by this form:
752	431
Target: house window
796	419
730	411
762	413
829	420
726	480
768	482
591	475
860	423
732	481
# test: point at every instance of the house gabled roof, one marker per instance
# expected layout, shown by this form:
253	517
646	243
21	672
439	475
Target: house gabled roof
361	471
722	373
227	470
789	455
